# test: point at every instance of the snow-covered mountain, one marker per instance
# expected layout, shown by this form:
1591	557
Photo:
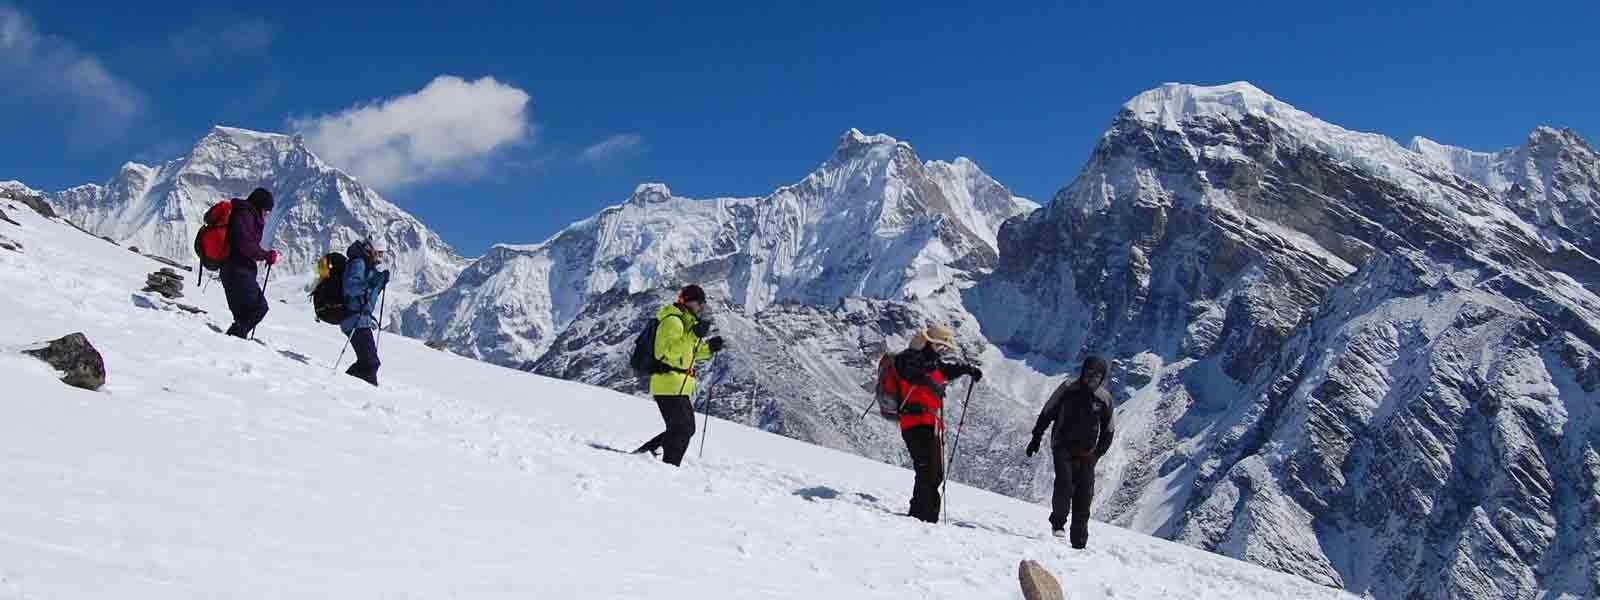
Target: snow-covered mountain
1239	260
808	283
1370	366
1552	182
160	208
212	467
872	222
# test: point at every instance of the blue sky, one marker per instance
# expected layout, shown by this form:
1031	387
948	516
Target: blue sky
737	98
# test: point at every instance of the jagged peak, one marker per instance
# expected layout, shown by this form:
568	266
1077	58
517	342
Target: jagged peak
140	168
1545	134
855	139
650	192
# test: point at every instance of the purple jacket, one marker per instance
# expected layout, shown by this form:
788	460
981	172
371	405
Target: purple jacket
244	235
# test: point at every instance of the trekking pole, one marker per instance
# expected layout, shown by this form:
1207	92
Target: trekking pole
382	296
706	408
955	445
868	409
346	346
264	281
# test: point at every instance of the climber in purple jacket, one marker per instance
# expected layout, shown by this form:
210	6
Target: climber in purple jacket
238	273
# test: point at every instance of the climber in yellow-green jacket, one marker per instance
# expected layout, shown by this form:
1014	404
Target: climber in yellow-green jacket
680	341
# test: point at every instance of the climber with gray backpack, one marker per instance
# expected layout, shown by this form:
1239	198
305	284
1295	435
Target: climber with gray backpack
349	288
666	352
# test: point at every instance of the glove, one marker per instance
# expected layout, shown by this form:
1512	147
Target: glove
272	257
380	279
702	329
715	343
1033	447
975	373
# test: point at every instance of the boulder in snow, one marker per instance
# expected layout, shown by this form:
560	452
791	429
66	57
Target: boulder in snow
1038	583
76	358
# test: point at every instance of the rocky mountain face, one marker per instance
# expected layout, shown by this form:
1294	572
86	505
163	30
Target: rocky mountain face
1370	366
319	208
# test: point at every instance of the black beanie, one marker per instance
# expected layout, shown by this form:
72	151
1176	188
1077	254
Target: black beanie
261	199
692	293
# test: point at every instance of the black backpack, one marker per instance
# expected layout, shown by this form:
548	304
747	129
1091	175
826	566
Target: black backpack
327	298
643	360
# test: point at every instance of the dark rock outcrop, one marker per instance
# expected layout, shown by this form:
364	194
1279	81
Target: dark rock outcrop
38	204
165	282
73	355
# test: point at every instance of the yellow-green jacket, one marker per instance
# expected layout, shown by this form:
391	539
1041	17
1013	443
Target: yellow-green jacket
678	347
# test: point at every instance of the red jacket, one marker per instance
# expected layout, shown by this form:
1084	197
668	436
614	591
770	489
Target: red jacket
922	380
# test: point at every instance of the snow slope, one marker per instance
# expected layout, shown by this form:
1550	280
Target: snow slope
214	467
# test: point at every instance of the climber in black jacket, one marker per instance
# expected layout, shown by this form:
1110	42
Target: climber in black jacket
1081	411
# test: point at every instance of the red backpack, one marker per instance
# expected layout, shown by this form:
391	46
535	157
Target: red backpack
211	244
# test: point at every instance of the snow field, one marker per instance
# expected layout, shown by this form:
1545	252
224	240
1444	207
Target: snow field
215	467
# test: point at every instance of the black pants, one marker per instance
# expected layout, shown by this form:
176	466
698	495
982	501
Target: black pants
245	301
678	413
1073	494
366	365
927	460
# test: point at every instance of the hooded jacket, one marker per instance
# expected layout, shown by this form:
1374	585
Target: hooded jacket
1081	416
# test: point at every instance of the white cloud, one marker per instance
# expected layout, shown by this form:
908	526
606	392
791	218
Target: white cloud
243	37
611	148
448	128
53	72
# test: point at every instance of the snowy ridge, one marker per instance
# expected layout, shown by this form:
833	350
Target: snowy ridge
1552	182
1481	168
18	186
214	467
873	221
1175	106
